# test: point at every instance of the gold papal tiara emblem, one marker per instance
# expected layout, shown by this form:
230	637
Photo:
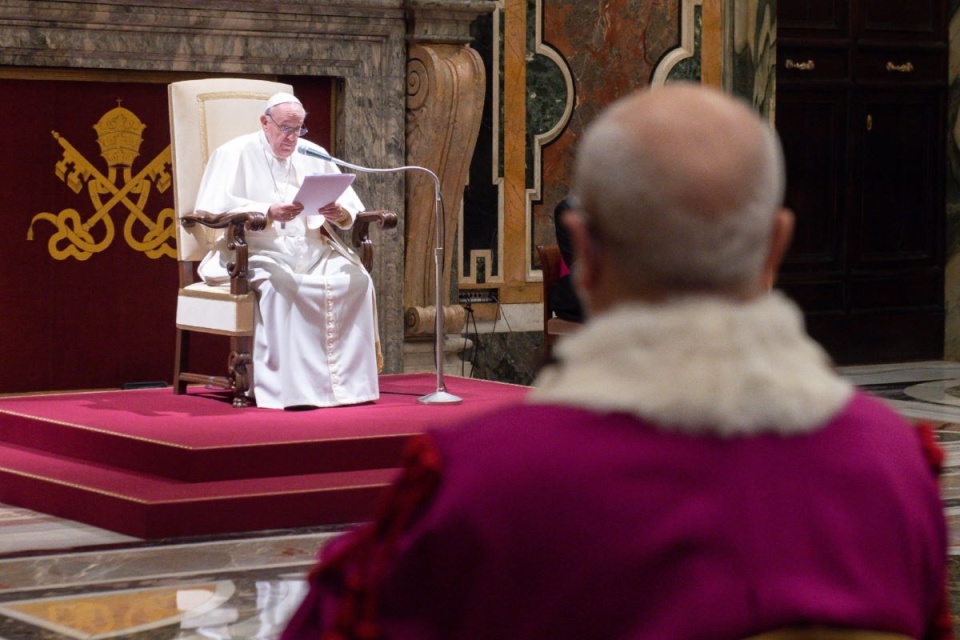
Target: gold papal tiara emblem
119	134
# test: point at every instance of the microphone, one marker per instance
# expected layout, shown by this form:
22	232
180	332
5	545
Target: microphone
314	152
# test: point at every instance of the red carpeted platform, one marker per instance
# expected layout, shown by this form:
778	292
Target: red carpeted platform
152	464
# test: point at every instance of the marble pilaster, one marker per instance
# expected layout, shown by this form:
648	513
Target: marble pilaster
446	83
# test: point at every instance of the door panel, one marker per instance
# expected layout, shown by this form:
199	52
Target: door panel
861	112
896	219
916	20
816	179
806	18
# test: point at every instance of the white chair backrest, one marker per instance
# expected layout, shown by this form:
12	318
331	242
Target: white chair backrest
203	115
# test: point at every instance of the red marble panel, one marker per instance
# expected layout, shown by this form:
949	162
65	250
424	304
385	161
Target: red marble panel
612	47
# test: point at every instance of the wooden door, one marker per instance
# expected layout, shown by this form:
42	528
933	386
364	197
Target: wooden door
861	112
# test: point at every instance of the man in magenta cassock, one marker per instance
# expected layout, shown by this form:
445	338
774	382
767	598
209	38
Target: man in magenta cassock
690	468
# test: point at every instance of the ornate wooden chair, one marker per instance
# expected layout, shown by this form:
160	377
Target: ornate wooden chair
553	327
203	115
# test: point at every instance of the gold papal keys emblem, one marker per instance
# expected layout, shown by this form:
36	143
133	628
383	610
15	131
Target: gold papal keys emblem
119	134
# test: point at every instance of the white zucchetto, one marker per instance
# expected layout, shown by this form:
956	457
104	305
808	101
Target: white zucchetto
280	98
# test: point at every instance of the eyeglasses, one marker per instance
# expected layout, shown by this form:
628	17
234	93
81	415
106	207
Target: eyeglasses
288	131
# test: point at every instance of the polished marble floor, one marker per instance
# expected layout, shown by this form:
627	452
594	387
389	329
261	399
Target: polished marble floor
213	589
62	579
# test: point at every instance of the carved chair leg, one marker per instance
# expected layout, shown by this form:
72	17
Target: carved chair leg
240	367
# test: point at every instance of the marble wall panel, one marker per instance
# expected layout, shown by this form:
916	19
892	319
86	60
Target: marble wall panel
611	49
576	58
750	51
952	276
513	356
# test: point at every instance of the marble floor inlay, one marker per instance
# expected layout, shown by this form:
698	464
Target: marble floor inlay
922	390
238	588
65	580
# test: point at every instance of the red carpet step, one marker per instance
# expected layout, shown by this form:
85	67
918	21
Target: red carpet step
151	464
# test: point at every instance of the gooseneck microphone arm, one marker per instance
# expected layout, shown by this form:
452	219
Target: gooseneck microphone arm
440	396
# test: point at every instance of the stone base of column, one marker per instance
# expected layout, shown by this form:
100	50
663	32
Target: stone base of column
418	356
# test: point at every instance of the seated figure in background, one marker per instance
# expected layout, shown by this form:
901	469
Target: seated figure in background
691	466
315	340
563	297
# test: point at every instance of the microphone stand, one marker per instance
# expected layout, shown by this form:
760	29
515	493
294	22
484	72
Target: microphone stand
441	395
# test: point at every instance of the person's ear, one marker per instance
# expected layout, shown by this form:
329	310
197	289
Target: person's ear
780	237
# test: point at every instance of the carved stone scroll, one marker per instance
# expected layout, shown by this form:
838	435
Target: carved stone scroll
445	93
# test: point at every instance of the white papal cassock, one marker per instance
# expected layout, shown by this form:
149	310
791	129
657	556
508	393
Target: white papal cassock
315	342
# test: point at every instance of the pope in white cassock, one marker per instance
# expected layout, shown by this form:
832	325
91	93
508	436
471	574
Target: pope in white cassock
315	341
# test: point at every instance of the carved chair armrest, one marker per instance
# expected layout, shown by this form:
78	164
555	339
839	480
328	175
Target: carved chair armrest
361	232
236	225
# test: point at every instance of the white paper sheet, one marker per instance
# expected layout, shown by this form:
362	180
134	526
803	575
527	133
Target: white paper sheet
320	190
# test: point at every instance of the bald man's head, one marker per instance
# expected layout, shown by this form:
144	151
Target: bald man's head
681	186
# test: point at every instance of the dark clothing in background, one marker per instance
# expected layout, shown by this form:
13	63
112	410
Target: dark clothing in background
563	299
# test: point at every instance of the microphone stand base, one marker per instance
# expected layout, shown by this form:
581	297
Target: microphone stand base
439	397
